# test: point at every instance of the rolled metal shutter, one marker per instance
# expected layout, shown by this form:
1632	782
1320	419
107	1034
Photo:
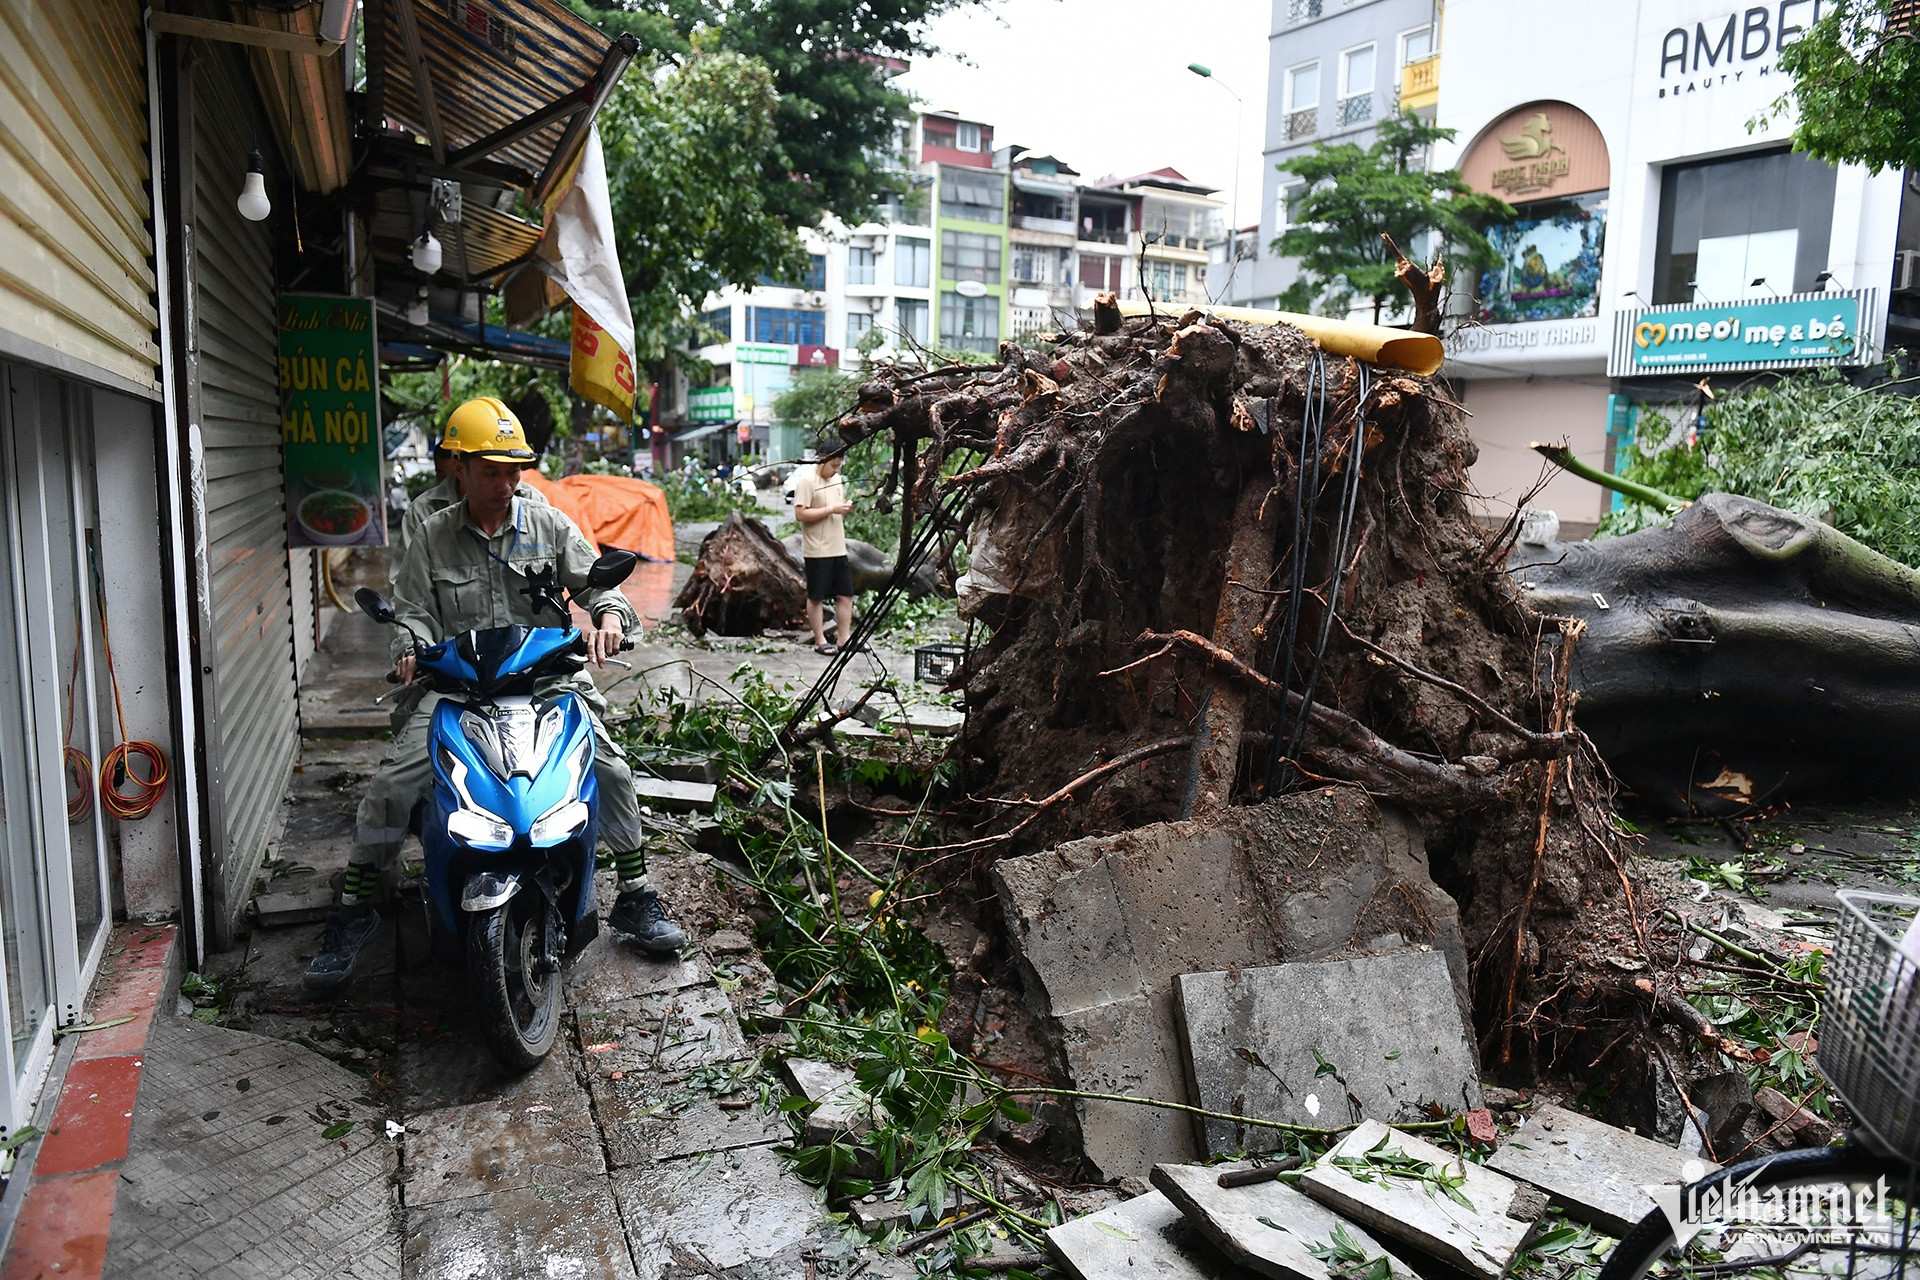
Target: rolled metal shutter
76	249
255	729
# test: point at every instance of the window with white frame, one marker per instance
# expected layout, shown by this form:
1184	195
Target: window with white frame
859	265
858	322
1303	101
1286	206
967	137
1356	84
1415	44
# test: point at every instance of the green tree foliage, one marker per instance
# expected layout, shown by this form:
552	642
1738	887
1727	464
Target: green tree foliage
832	61
1354	193
1812	443
683	158
1856	84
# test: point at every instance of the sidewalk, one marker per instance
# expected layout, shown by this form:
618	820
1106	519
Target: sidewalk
635	1150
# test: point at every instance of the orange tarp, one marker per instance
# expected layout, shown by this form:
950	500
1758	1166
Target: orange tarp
617	511
565	501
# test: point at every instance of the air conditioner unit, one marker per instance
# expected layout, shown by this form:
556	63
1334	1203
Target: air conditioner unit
1906	271
816	299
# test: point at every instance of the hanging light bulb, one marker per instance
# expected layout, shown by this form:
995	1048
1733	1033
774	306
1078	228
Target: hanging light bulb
426	254
417	308
253	203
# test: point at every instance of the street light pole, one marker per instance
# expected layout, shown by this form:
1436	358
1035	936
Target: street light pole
1233	214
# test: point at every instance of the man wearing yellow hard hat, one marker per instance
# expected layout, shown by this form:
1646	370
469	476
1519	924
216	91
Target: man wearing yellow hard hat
446	464
467	568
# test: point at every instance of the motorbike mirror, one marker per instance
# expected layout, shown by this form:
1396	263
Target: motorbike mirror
373	604
611	569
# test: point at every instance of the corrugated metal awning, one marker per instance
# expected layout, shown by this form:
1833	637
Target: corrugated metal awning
514	82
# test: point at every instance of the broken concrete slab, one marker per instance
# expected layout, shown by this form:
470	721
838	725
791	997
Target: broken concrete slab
556	1227
688	768
647	1117
872	1214
502	1144
294	906
1328	1042
1592	1170
842	1109
937	721
733	1208
1144	1238
608	970
1101	925
1481	1240
1266	1227
673	1031
674	796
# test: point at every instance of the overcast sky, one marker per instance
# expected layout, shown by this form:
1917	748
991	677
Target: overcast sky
1104	85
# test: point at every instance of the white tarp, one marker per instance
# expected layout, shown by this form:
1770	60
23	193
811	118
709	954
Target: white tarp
577	252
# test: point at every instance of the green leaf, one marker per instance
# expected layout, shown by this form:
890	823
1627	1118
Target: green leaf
1107	1228
1393	1055
1014	1112
340	1130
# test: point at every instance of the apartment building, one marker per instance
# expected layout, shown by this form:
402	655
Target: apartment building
1146	236
1042	216
1335	68
970	230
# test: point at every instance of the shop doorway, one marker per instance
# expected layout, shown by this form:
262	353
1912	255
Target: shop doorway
54	877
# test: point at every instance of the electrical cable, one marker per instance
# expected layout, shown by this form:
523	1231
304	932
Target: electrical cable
79	768
116	770
1306	480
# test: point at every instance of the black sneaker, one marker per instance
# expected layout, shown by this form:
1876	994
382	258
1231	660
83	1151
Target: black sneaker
642	916
348	930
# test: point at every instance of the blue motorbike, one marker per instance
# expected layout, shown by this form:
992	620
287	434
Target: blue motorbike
511	825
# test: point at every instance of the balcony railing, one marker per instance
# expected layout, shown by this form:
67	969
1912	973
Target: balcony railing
970	342
1303	123
1059	226
1420	83
1357	109
1299	11
1111	235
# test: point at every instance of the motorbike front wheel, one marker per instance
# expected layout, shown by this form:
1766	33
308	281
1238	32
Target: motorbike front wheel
515	984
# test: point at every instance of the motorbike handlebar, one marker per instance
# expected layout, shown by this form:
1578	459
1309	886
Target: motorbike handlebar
393	677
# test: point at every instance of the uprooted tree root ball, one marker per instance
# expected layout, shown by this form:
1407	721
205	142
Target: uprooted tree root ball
1210	564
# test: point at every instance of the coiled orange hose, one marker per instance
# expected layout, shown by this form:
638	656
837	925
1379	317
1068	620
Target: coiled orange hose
116	770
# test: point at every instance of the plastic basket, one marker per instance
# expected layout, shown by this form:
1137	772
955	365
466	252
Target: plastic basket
936	663
1870	1019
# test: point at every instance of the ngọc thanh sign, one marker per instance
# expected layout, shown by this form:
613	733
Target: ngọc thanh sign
710	404
330	422
1806	329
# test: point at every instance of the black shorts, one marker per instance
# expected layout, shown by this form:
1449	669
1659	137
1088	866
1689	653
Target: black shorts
828	576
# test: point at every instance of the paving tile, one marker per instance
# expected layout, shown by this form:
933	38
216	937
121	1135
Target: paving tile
62	1230
134	994
93	1120
1387	1024
1144	1238
731	1208
841	1107
1268	1227
606	971
648	1116
1592	1170
672	1032
563	1227
542	1133
1480	1241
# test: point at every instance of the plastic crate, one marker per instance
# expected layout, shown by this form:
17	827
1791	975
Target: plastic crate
1870	1018
937	663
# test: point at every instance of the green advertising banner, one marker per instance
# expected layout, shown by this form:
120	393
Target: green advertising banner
1789	332
330	423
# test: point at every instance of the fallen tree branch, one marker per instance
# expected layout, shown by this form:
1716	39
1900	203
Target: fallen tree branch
1561	456
1675	1006
1119	762
1349	749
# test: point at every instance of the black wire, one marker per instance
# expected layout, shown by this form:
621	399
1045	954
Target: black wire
1312	431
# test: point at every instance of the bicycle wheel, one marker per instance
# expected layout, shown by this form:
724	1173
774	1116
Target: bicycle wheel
1827	1211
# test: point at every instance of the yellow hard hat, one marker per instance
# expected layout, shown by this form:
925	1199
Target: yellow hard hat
485	428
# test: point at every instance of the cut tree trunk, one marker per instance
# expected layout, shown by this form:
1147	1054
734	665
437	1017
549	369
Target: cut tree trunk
1743	656
743	583
1217	732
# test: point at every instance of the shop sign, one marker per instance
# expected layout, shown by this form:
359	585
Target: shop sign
812	357
1814	328
330	422
783	354
1537	151
710	404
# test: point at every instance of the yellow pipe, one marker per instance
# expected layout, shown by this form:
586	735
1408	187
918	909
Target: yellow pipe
1375	343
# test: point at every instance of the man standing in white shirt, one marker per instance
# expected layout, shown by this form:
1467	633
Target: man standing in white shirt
821	506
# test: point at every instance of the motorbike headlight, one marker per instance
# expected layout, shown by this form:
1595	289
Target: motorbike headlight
472	825
559	823
478	829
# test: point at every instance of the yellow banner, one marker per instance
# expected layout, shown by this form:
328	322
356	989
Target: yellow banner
600	370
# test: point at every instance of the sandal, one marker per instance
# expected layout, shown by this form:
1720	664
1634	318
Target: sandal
826	650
